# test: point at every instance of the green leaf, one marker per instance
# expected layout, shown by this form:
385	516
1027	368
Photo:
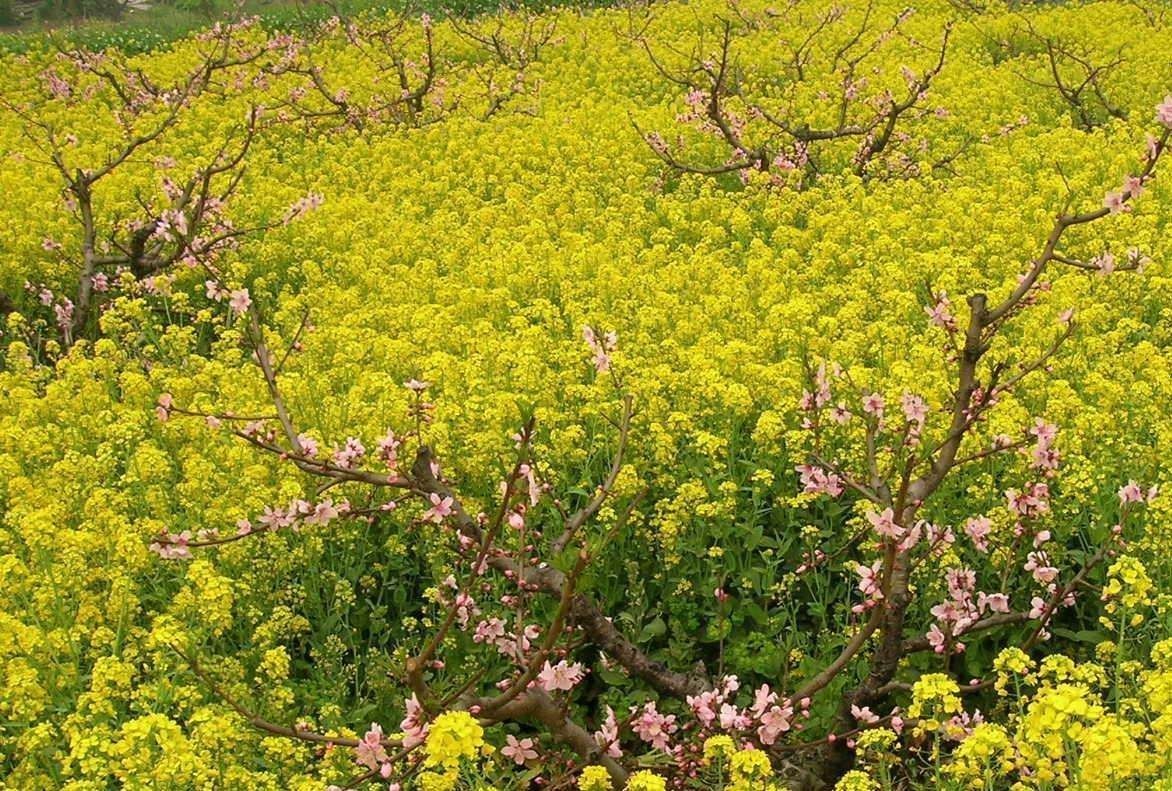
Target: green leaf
657	628
1091	636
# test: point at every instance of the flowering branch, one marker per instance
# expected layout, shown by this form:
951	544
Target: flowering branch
1084	93
513	42
918	470
718	105
190	223
525	692
318	99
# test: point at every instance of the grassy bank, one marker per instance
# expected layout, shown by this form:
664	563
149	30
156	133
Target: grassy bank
148	29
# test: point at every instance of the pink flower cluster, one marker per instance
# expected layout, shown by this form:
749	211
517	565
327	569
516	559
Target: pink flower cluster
768	716
1132	493
239	300
56	86
1031	502
978	528
495	632
173	546
1164	112
873	406
300	513
601	348
885	525
303	206
350	454
1116	202
915	411
465	605
607	736
821	395
388	450
653	727
562	676
815	480
371	753
961	609
1045	457
940	314
870	585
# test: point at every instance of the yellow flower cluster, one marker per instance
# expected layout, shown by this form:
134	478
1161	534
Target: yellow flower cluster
1011	664
750	770
594	778
935	698
856	780
1066	734
646	781
1128	585
719	747
983	757
454	736
747	770
444	780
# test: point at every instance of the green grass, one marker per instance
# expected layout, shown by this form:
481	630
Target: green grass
156	27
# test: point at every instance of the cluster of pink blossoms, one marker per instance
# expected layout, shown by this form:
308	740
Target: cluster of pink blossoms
873	407
602	348
940	314
768	716
1116	201
512	644
815	480
299	513
1030	502
796	158
239	300
653	727
965	604
57	87
885	525
563	676
465	606
978	528
371	750
1132	493
1164	112
303	206
352	452
371	753
174	546
1045	458
820	396
870	585
63	307
963	607
516	645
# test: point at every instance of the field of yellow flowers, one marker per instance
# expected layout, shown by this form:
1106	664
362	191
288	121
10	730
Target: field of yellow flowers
429	267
